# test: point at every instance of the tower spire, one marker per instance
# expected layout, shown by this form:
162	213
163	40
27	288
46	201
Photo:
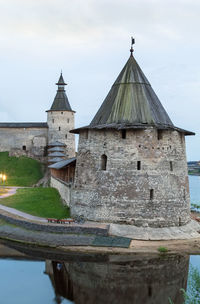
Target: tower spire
61	102
132	42
61	83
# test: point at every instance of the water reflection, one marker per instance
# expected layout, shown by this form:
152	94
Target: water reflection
100	278
142	280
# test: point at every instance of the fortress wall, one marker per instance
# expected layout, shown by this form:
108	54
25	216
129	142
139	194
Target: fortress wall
63	188
60	123
13	140
121	193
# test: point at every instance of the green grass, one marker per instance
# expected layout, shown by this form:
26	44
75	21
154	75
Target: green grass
20	171
162	249
43	202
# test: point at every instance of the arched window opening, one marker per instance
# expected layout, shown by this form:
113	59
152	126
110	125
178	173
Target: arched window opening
103	162
24	148
139	165
160	134
151	194
124	134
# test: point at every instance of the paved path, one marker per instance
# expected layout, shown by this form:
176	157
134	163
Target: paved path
11	191
23	214
188	231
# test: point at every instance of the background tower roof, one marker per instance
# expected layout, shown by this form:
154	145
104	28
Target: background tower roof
61	80
61	102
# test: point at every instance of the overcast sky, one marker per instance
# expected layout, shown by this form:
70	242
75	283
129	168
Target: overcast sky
90	41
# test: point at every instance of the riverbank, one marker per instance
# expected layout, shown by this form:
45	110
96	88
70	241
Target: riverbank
87	239
20	227
191	247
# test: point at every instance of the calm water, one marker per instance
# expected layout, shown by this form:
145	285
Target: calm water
46	277
194	182
92	279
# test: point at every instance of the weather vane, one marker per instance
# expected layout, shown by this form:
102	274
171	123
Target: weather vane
132	42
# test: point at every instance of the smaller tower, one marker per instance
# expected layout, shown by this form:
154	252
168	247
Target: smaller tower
60	120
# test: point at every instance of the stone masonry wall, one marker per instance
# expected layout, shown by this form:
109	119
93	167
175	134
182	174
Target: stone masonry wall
157	195
63	188
60	123
34	141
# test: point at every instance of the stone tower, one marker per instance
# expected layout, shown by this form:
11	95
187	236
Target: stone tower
131	164
60	119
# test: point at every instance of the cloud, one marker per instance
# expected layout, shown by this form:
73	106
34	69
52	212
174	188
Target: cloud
90	41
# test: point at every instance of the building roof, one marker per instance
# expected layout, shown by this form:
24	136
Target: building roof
131	103
56	144
62	163
55	159
56	154
61	80
56	149
23	125
61	102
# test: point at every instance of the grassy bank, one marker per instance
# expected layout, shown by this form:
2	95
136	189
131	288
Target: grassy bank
20	171
43	202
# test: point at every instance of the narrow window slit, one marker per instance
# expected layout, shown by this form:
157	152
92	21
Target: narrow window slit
103	162
124	134
59	128
149	291
24	148
171	166
160	134
151	194
139	165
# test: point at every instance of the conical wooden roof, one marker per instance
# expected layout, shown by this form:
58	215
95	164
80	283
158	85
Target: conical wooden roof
131	101
61	102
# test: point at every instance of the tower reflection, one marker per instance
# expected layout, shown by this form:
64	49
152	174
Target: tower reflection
121	279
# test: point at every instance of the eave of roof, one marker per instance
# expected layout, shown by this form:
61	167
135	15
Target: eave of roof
56	149
62	163
23	125
134	127
60	154
56	144
55	159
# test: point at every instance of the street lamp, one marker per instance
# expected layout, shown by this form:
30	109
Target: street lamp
4	177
